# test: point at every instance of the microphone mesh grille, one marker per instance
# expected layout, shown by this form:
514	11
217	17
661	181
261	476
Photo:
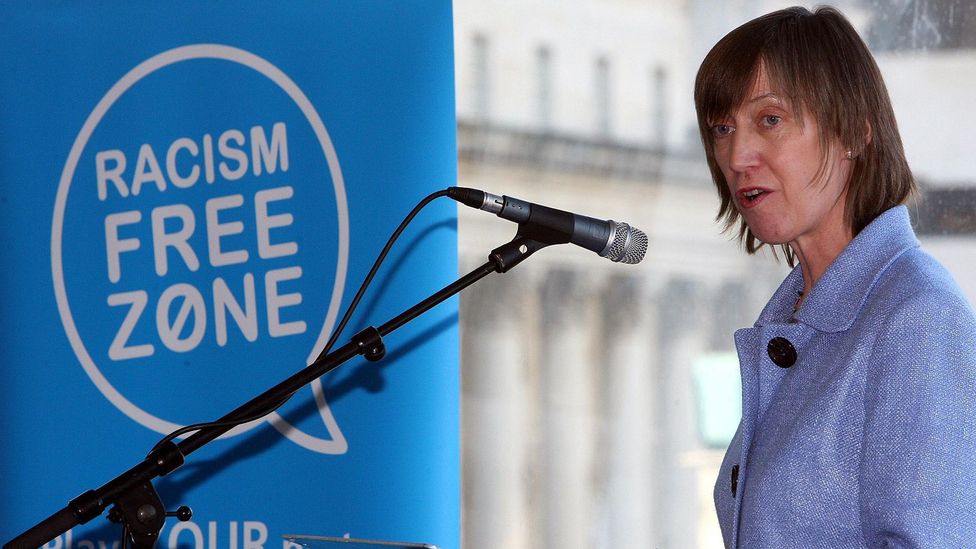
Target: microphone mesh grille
629	244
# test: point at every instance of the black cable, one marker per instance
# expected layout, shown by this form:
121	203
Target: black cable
376	266
207	425
335	333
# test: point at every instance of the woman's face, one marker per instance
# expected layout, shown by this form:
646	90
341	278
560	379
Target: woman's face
772	160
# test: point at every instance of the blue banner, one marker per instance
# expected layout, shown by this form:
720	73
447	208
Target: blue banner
190	194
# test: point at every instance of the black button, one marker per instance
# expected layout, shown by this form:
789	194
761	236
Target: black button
781	352
735	478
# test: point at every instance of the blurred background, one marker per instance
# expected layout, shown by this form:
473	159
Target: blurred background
598	398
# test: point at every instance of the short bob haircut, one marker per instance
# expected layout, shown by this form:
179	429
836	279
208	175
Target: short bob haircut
820	64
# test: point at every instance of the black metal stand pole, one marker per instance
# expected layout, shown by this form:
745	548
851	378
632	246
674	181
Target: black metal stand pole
142	512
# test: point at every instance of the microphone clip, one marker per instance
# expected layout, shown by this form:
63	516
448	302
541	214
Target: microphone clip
507	256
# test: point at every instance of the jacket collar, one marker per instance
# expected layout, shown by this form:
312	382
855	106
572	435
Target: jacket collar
836	299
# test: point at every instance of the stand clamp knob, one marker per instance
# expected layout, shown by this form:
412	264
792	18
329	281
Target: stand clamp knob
183	514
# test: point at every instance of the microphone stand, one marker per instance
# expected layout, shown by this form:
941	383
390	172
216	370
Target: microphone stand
137	504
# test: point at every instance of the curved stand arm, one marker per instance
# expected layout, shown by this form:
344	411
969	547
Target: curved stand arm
140	509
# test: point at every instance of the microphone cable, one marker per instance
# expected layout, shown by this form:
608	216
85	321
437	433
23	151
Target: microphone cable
350	309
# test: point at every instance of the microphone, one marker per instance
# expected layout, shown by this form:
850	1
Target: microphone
618	242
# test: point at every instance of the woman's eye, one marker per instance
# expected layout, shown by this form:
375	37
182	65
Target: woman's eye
721	130
771	120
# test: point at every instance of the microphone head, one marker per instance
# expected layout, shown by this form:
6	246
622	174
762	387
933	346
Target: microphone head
628	244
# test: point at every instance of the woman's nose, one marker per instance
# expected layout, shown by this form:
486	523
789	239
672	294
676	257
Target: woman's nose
743	151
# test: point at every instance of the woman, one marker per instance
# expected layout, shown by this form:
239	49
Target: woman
859	377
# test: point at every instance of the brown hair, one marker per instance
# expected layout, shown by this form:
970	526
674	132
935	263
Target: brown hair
820	64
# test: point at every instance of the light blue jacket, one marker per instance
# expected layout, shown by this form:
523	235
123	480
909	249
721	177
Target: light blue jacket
868	439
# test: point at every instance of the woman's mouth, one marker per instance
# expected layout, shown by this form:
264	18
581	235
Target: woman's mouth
752	196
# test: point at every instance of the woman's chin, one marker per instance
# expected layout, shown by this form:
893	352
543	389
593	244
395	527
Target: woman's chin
770	237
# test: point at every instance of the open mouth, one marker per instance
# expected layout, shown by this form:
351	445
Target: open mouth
752	196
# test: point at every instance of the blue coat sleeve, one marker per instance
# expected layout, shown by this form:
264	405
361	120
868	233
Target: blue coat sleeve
918	468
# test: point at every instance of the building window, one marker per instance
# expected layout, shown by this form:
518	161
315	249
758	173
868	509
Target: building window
659	109
482	79
604	123
913	25
544	87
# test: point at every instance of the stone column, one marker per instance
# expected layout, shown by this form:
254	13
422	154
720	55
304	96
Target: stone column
629	416
568	411
495	408
683	328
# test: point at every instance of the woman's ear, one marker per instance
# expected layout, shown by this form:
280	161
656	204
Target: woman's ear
857	149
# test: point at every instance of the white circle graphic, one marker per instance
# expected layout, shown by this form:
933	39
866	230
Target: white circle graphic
337	444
